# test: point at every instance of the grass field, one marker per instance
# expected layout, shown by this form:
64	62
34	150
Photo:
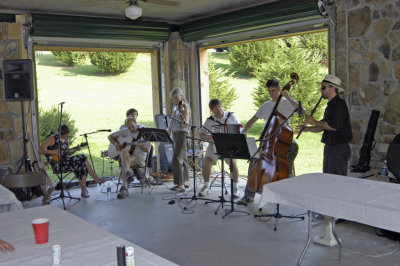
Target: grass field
99	101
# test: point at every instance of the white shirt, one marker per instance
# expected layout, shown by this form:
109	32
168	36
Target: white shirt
176	126
285	108
217	125
129	136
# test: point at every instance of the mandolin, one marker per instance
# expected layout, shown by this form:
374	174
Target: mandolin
68	152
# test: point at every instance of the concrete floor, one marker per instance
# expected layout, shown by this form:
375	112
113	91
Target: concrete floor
189	233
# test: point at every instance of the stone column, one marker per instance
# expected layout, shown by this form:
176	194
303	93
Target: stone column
11	141
373	48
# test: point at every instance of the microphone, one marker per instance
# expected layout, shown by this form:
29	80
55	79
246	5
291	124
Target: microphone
61	103
300	109
104	130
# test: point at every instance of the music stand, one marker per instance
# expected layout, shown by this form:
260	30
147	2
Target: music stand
233	146
155	135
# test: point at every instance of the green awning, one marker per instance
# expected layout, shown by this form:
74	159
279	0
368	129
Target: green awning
280	13
98	28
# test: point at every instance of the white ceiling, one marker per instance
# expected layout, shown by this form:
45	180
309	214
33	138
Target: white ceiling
170	11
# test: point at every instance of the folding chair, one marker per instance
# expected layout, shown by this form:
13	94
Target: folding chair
24	180
148	178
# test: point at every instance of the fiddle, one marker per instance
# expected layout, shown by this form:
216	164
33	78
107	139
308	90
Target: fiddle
181	107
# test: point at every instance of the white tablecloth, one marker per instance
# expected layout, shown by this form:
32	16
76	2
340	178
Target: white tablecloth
8	201
365	201
81	243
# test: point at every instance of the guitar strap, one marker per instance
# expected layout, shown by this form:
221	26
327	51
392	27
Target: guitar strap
132	149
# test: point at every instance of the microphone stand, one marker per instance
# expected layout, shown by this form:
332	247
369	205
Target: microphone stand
86	140
60	166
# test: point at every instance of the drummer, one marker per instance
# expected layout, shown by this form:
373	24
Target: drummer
217	123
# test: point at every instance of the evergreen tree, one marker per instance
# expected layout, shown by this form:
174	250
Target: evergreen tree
220	85
292	58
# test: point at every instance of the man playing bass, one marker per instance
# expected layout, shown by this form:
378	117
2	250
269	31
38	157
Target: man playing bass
286	107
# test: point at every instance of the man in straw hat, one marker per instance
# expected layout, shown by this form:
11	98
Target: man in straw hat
336	128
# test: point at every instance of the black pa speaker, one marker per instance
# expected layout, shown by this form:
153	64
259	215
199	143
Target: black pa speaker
18	80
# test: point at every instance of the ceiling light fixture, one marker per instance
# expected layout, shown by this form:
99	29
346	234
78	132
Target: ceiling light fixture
133	11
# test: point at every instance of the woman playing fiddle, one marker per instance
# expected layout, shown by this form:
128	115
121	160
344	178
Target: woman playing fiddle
286	107
179	129
78	164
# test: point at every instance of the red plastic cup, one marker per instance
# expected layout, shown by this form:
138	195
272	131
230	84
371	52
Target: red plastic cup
41	230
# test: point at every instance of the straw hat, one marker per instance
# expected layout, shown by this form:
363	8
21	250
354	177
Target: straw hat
333	81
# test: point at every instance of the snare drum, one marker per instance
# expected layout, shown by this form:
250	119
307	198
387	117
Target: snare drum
104	153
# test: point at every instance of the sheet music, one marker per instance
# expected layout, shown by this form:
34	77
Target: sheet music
251	143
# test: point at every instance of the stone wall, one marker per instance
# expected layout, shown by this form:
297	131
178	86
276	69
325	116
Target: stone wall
11	141
373	69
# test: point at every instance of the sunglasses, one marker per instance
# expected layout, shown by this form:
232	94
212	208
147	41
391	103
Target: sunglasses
323	88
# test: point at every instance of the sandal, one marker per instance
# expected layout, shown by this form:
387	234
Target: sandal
178	189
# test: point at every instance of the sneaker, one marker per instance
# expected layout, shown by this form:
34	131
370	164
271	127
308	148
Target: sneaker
204	191
85	194
123	193
245	200
236	192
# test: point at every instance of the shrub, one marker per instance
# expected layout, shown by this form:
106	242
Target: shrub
220	85
292	58
49	122
75	59
113	63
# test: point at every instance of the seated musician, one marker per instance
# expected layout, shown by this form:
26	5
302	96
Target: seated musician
217	123
133	113
131	155
78	164
286	107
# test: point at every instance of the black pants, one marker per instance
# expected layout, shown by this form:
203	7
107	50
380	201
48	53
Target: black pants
336	158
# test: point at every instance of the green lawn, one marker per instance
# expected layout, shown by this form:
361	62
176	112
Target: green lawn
99	101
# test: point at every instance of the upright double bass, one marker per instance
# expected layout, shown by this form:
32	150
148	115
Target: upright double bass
274	145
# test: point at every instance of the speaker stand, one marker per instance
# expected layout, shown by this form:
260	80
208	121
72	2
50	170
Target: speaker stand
24	160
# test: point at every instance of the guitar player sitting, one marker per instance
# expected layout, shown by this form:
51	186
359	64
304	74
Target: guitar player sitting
78	164
132	149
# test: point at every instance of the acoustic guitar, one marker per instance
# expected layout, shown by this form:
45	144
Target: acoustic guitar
68	152
125	143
